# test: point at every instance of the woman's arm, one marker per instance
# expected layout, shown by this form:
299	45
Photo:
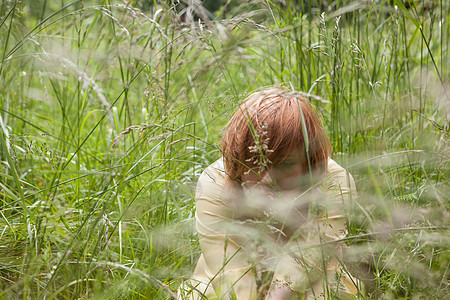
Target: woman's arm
222	246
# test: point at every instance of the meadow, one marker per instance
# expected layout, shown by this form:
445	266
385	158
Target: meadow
110	110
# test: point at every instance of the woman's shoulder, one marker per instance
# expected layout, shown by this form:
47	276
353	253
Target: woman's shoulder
212	205
214	172
334	167
211	182
340	176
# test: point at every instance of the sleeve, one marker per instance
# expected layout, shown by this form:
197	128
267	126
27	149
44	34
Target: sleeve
312	251
226	261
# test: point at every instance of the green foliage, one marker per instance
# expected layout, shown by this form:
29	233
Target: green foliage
109	112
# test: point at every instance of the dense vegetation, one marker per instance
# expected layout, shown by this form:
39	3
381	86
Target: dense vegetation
109	112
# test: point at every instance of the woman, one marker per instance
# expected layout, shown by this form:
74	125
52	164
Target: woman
270	211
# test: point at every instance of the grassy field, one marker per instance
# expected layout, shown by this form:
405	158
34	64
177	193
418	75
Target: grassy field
110	111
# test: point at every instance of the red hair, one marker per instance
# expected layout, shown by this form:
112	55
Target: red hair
268	126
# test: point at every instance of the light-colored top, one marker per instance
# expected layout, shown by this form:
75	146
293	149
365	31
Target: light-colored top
239	255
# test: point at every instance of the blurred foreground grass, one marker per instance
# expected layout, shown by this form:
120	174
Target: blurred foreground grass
109	112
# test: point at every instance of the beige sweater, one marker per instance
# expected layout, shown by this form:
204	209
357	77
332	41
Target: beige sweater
239	256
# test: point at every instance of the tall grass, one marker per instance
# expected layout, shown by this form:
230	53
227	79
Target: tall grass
110	111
